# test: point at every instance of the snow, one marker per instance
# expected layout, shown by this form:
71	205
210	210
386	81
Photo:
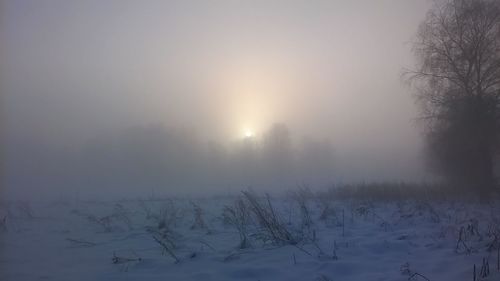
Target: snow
113	240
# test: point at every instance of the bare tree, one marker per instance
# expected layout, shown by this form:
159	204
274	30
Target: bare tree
458	88
277	152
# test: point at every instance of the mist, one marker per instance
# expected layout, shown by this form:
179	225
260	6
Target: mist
133	98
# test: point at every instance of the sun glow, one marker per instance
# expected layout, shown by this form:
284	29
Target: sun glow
248	133
255	88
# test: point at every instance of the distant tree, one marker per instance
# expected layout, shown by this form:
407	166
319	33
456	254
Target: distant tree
277	151
458	88
244	166
316	160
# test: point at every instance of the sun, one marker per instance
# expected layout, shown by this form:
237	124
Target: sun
248	133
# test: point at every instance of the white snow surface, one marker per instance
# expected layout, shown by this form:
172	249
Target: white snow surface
410	240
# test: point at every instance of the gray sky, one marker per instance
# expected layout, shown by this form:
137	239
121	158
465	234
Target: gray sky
73	71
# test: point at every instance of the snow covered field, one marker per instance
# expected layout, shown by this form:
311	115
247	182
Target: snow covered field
223	238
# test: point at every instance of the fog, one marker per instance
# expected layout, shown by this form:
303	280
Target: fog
133	98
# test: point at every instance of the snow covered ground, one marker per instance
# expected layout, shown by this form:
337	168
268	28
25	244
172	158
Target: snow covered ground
328	240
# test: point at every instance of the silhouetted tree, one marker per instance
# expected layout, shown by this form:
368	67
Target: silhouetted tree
458	83
277	152
245	161
316	161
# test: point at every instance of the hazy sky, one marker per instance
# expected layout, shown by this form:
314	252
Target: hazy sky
74	70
